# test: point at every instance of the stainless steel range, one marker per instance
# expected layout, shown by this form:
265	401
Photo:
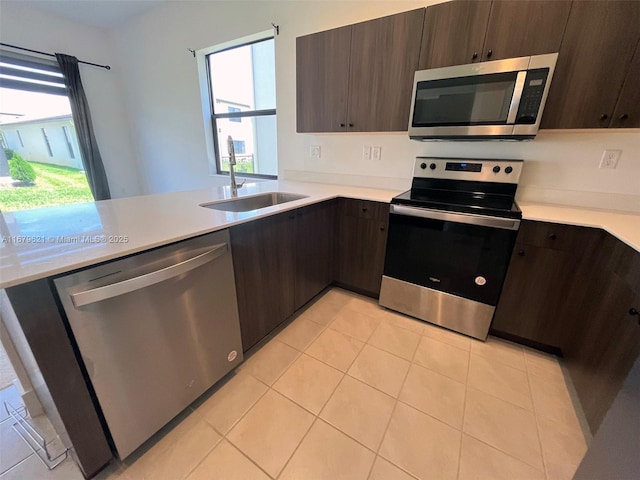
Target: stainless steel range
450	241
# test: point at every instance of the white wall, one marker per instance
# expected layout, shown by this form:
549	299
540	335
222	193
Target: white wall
23	25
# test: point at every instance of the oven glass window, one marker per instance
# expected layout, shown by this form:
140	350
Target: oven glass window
449	256
478	100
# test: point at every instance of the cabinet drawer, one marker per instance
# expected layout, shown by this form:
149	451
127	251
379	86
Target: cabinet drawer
364	209
551	235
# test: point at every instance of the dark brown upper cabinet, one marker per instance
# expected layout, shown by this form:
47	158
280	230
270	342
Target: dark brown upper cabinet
627	112
594	61
384	58
523	28
454	33
322	78
460	32
358	78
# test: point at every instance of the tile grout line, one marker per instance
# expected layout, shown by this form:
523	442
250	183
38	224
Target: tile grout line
395	406
504	399
538	429
464	411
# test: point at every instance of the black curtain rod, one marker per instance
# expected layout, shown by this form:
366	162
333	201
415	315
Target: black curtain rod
52	55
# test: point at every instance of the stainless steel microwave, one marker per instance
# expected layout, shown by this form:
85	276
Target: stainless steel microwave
501	100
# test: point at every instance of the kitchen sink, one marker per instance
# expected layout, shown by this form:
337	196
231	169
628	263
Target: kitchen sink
246	204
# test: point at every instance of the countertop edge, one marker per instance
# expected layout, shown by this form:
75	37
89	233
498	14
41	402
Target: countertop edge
622	225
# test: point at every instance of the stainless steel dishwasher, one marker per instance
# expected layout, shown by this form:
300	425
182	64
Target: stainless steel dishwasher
155	331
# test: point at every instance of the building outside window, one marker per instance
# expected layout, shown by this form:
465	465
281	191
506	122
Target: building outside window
242	85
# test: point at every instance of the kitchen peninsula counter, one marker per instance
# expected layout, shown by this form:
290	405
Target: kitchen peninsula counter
40	243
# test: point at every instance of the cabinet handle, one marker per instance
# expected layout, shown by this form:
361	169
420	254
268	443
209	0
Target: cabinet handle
521	253
382	229
342	124
552	236
489	53
633	311
351	125
364	209
474	56
604	116
624	116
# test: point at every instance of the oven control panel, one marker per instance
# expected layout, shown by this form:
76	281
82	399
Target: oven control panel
481	170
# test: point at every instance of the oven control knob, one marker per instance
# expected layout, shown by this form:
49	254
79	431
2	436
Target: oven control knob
432	166
496	169
481	281
423	166
508	170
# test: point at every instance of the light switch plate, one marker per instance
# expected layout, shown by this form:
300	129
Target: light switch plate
366	153
314	151
376	153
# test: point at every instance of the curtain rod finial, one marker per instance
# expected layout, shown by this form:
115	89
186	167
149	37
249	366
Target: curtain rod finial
193	52
276	28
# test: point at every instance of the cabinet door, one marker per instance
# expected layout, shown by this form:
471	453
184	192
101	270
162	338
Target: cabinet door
595	54
264	267
603	349
360	246
314	250
627	111
454	33
523	28
533	293
322	75
384	58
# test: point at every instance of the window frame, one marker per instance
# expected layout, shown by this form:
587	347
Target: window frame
210	117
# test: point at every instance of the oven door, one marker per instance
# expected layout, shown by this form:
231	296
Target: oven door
461	254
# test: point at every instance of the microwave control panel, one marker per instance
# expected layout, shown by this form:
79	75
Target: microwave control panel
532	96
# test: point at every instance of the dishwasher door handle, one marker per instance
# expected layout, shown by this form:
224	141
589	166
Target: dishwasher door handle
468	218
94	295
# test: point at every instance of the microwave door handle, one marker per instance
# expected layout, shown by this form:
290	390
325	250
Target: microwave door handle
517	95
87	297
467	218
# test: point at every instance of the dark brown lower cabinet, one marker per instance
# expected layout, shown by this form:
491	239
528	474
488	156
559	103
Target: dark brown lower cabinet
280	263
532	296
540	275
571	289
360	245
264	267
603	336
314	250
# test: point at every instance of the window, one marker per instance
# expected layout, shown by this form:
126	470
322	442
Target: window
67	138
46	141
243	99
36	120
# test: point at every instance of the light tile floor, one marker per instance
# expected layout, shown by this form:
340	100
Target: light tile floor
350	390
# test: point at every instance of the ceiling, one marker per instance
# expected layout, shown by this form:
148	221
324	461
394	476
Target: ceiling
98	13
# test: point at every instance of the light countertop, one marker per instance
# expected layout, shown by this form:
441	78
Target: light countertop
43	242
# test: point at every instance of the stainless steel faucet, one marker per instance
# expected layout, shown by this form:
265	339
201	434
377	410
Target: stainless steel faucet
232	163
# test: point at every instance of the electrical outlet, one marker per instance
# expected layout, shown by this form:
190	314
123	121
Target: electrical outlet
314	151
610	158
376	153
366	153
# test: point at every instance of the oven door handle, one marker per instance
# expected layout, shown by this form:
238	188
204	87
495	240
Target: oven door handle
471	219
